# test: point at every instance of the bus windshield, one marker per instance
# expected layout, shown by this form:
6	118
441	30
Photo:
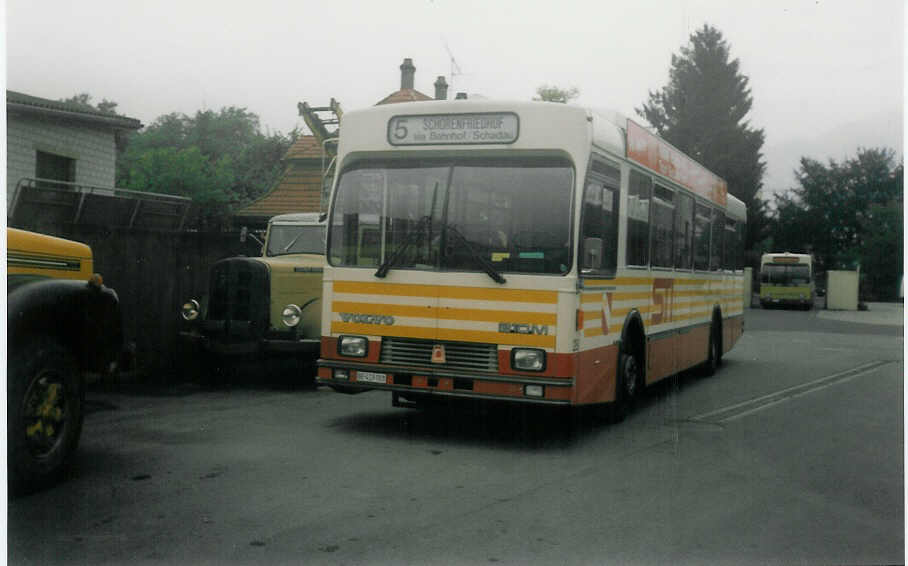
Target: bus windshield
791	275
296	239
498	215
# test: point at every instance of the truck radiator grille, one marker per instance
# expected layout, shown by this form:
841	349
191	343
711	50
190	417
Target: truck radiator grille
459	355
240	292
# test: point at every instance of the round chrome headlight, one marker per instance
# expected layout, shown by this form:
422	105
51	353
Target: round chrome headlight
291	315
190	310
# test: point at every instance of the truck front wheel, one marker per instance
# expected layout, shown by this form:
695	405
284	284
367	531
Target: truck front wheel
45	400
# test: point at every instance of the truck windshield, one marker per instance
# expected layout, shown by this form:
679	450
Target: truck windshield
513	215
295	239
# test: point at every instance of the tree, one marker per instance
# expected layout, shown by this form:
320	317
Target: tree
222	160
847	213
702	111
83	100
551	93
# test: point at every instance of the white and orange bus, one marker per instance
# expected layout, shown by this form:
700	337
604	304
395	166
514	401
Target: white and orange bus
523	251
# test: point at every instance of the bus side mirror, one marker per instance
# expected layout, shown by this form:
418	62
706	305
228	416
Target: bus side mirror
592	253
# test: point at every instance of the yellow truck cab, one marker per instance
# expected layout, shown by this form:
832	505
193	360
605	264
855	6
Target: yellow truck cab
62	323
267	306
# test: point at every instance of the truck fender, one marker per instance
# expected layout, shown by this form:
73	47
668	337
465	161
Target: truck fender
83	317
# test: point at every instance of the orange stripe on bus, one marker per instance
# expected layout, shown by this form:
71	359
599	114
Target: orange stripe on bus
446	313
446	292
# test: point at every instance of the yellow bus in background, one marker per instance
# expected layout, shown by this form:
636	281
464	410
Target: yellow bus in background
523	251
787	279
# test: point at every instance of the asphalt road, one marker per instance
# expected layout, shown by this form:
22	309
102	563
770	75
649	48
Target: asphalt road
791	453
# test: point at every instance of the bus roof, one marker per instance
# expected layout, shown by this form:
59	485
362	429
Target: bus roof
785	257
524	125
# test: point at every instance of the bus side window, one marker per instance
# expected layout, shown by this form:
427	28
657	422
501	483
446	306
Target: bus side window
684	231
717	228
599	224
702	220
663	218
731	245
739	252
638	210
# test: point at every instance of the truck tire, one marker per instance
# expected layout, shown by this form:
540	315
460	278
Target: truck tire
45	400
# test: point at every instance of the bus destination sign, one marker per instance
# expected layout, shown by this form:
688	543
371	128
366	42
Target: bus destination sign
454	129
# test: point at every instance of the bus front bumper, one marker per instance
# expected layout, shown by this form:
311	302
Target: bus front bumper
412	382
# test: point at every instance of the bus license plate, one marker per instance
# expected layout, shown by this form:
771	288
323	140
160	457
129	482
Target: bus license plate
371	377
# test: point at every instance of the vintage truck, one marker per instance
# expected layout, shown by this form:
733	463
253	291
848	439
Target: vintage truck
263	308
62	325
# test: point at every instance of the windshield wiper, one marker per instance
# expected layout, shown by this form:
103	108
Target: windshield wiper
399	252
483	262
294	240
425	224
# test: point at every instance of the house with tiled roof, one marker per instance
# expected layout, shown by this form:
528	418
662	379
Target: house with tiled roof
407	93
302	186
49	139
298	190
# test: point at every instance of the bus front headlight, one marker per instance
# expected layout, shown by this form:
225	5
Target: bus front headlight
528	359
291	315
355	346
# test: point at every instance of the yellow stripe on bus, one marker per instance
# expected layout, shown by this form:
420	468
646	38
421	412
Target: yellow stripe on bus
428	333
446	313
446	292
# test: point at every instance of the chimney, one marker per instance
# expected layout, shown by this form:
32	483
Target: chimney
441	88
407	70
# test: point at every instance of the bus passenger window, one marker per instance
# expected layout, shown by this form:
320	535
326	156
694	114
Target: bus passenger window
731	245
684	231
599	223
702	219
718	231
663	218
638	203
739	252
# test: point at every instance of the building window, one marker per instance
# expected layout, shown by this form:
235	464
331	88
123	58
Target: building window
638	201
55	167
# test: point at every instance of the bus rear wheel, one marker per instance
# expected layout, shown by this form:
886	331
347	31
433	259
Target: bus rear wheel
627	386
714	355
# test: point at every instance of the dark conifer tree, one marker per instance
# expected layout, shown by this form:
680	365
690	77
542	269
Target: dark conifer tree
702	111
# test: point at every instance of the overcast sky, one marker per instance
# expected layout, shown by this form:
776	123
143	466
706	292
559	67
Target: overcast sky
826	76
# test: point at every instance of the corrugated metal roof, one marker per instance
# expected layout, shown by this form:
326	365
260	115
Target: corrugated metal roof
21	101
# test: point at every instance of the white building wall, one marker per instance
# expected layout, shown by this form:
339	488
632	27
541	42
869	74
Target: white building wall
93	148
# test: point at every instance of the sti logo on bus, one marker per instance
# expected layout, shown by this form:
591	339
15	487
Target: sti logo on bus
514	328
367	318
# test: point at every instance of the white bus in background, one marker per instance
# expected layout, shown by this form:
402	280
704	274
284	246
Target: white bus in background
523	251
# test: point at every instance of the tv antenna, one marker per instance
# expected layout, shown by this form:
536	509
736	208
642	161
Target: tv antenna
454	65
